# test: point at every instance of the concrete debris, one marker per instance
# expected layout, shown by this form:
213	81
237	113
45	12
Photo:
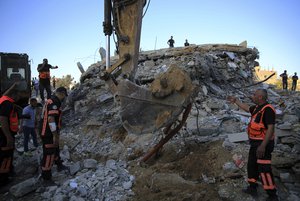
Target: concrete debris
238	137
90	163
102	183
210	150
75	168
23	188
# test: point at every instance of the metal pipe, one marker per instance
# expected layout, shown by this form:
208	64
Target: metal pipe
107	52
170	134
107	29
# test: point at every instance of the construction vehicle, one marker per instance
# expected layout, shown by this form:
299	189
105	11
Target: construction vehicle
15	67
143	110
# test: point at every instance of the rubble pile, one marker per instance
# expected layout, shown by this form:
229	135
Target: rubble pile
95	182
209	153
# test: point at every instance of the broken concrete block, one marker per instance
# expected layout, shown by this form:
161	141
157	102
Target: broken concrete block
204	89
286	177
296	168
282	161
75	168
289	140
282	133
285	126
90	163
290	118
232	65
228	145
238	137
229	166
23	188
247	114
127	185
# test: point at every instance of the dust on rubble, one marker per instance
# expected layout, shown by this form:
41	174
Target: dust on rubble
169	178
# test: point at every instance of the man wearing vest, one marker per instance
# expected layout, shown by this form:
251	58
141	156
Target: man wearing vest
261	136
51	124
8	128
44	78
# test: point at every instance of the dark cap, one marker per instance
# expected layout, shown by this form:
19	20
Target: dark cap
62	90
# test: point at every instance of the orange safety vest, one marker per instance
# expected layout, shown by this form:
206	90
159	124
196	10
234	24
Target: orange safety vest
13	117
44	75
45	116
257	131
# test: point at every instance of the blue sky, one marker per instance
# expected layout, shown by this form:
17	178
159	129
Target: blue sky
68	31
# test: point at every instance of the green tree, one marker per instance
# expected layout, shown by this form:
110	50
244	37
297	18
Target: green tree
65	81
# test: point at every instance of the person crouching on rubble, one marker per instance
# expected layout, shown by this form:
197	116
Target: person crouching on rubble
51	124
261	137
9	126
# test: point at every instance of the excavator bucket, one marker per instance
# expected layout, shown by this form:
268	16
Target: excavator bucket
145	110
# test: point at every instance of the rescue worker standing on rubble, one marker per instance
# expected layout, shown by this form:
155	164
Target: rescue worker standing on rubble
284	77
261	136
51	124
186	43
294	83
8	129
44	78
171	42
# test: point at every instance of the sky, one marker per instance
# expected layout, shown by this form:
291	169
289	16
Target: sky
70	31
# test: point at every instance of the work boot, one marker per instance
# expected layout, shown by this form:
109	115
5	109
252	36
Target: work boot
272	198
4	182
46	182
272	195
251	190
61	167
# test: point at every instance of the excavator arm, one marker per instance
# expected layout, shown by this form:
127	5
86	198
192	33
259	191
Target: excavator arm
127	24
143	110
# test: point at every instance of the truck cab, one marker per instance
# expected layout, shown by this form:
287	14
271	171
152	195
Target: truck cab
15	67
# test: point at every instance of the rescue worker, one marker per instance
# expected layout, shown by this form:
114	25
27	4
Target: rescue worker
171	42
51	124
294	84
8	128
284	77
261	137
44	78
186	43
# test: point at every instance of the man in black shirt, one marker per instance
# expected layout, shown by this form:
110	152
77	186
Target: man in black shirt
284	77
261	137
294	84
171	42
44	76
186	43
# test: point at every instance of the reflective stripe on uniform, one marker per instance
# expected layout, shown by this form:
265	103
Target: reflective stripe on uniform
5	166
49	162
267	181
251	180
53	112
265	162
